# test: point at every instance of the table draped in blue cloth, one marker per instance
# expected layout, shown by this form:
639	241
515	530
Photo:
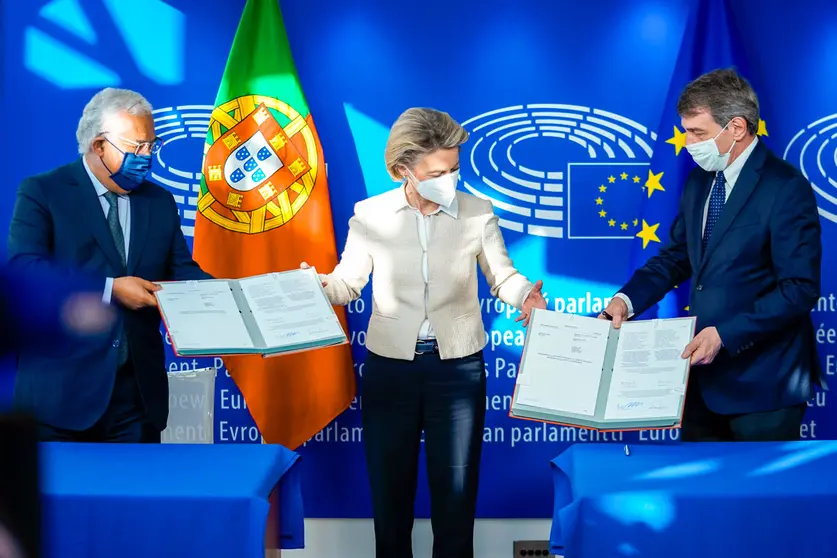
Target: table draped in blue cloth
722	500
161	500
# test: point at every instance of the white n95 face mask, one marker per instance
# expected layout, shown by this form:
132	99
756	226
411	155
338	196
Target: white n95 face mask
707	155
441	189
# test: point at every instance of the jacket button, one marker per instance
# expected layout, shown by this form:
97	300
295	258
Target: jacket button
699	288
115	343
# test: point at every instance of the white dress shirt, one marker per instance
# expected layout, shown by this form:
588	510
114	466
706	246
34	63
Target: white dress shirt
731	174
123	206
384	246
425	228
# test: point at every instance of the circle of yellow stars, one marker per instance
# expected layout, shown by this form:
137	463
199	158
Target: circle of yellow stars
648	233
678	140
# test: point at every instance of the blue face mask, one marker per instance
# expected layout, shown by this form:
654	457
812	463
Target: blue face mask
133	171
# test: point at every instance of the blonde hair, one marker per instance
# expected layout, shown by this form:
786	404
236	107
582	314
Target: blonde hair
417	133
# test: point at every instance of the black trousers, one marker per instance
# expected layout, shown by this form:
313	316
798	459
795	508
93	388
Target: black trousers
20	497
446	400
700	424
124	419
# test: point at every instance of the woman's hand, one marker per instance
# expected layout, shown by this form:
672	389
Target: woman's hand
304	265
534	300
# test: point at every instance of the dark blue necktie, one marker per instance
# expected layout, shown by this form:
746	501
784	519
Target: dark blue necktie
119	240
716	204
114	226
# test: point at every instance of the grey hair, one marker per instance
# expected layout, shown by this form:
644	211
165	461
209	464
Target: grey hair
725	94
104	104
417	133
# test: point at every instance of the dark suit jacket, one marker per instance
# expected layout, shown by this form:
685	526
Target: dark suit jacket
757	284
58	224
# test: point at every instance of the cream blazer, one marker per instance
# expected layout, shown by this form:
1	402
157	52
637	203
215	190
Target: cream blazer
383	240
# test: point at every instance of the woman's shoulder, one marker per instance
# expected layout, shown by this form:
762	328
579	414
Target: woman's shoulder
470	204
391	198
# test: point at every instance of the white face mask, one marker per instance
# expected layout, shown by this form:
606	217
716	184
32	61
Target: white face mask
707	155
441	189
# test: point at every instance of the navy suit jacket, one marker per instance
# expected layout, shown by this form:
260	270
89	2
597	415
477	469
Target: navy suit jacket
58	225
756	283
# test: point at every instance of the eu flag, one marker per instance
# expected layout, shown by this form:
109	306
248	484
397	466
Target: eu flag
709	43
605	199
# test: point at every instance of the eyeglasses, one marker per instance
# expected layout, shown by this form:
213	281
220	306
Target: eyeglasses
141	147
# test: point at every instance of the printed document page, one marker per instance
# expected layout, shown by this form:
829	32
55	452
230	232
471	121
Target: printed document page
563	365
290	308
203	315
649	376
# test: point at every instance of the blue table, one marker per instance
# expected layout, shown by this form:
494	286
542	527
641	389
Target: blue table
696	500
149	500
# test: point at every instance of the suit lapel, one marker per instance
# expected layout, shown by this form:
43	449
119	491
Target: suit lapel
742	191
704	186
92	215
140	214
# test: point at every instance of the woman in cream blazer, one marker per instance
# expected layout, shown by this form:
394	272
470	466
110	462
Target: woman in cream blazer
422	244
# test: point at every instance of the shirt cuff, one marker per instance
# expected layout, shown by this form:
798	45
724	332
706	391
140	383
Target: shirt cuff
525	296
627	302
106	296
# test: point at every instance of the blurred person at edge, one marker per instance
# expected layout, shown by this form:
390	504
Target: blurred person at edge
99	214
748	237
425	368
37	308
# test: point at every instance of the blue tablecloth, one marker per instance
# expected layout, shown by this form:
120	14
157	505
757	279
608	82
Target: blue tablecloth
150	500
696	500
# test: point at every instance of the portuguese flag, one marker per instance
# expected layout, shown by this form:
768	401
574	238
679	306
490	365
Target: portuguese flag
264	206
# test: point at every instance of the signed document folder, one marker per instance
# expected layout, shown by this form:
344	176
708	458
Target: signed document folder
580	371
271	314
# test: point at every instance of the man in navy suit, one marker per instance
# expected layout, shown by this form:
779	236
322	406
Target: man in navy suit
99	216
748	236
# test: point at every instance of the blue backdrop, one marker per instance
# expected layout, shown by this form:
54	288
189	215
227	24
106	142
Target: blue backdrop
564	102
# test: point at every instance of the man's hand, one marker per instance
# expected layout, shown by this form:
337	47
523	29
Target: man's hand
304	265
618	310
535	299
134	292
704	347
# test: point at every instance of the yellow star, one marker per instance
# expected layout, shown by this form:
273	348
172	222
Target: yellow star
624	226
678	140
602	188
624	176
648	234
612	223
599	201
686	309
602	213
762	131
637	179
611	179
636	222
653	183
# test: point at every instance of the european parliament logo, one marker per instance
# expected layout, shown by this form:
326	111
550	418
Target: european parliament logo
814	150
49	50
177	166
561	171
